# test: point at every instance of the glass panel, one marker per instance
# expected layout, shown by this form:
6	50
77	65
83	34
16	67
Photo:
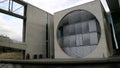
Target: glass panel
4	4
74	51
11	27
93	38
18	8
78	28
79	51
72	41
66	41
67	50
86	39
71	29
92	26
85	28
12	6
79	40
81	31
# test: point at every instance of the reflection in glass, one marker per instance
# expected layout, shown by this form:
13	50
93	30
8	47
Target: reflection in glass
18	9
78	33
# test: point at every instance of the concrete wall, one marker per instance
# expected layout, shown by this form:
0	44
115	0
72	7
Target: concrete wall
36	31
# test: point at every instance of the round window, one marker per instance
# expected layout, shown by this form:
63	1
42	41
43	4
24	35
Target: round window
78	33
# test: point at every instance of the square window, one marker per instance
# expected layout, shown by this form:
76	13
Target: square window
85	28
93	38
86	39
72	29
79	40
66	41
72	41
92	26
78	28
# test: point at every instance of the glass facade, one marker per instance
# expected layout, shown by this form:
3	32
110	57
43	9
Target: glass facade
13	20
78	33
14	7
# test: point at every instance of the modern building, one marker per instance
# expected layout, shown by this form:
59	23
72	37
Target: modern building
39	32
82	32
41	36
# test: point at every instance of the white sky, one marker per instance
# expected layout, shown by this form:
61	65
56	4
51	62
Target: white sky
52	6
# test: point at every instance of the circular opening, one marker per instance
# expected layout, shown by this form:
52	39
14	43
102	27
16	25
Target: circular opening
78	33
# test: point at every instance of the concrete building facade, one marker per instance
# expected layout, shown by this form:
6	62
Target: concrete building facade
66	50
35	37
40	31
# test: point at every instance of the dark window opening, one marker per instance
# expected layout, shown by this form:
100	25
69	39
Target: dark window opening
40	56
116	23
35	56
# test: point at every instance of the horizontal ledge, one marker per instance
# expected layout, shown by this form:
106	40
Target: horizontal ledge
62	61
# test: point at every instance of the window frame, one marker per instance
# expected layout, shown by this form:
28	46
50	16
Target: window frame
18	15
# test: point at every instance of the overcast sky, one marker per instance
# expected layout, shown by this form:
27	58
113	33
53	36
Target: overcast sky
52	6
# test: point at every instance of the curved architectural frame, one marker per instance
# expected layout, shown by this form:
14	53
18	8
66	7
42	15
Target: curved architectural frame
78	33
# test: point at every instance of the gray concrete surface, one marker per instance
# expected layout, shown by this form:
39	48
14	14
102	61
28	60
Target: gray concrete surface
36	31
